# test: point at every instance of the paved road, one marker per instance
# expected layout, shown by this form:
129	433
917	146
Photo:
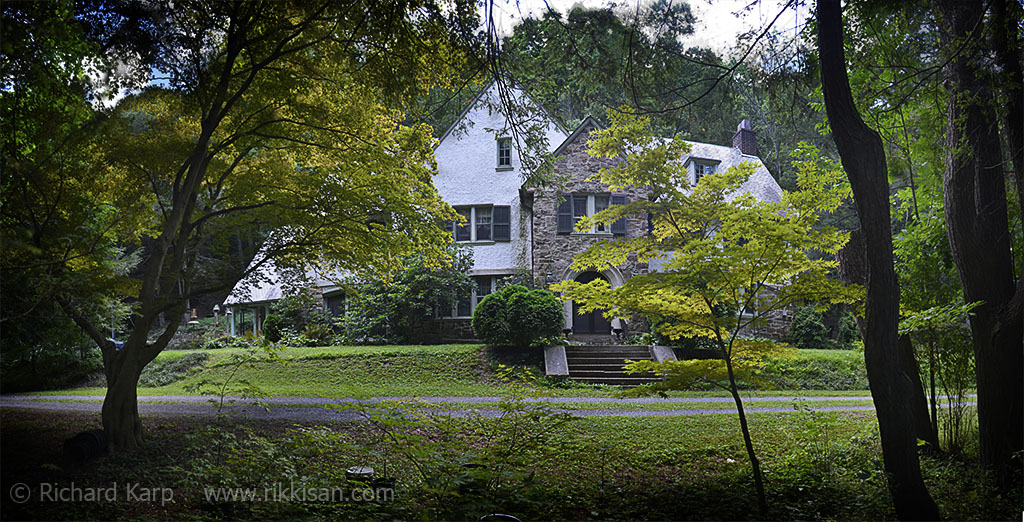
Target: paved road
318	409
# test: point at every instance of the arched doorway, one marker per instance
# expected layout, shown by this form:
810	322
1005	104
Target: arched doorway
591	322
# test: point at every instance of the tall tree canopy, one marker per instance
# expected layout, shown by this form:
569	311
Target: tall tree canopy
279	118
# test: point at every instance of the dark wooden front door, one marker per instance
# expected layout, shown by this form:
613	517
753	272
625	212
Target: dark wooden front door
592	322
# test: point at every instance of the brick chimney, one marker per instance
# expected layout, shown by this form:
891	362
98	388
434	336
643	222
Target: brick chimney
745	138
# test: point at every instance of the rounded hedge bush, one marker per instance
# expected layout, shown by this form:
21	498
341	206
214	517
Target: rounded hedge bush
517	316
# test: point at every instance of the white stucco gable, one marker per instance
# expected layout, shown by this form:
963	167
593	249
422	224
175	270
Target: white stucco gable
470	176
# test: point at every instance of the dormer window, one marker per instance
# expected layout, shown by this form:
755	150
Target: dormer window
504	153
702	169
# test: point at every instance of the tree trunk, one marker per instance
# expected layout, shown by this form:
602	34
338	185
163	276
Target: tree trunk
1006	17
978	228
932	361
863	159
120	405
853	269
923	428
755	463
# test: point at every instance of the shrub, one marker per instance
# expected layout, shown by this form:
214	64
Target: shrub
395	311
273	326
515	316
817	370
848	333
807	330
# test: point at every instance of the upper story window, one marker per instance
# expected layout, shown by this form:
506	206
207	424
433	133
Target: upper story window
504	153
572	207
703	168
483	223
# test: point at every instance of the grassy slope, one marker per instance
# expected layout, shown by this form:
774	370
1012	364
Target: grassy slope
445	370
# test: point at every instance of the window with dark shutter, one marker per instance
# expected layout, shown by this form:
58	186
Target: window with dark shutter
565	221
619	227
501	221
463	231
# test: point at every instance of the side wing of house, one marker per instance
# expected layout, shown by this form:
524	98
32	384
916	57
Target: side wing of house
480	170
248	304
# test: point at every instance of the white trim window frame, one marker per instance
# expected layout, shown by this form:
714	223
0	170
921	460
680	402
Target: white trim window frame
583	204
703	167
504	153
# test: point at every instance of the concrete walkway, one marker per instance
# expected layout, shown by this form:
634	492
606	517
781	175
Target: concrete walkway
317	409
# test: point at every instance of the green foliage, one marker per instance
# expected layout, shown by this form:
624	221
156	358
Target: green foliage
807	329
273	327
945	342
298	319
280	137
580	63
848	332
749	360
731	257
824	466
53	364
233	382
816	370
167	370
389	311
724	251
466	465
516	316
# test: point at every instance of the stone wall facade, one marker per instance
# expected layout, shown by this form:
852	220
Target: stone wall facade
774	325
553	252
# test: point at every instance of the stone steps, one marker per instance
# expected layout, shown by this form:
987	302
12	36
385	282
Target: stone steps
602	364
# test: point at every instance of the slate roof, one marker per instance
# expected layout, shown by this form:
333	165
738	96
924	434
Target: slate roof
761	184
266	284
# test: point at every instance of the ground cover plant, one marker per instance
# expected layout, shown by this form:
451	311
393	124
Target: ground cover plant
821	465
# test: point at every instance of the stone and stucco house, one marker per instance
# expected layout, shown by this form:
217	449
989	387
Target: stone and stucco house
515	230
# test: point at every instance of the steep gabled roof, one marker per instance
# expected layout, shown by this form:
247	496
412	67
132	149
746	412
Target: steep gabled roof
589	121
480	95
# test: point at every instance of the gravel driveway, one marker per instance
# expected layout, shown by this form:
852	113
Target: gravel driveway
318	409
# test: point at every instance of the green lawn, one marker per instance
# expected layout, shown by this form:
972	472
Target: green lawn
455	370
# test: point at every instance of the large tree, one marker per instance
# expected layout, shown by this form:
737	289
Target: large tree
272	117
863	158
728	260
976	210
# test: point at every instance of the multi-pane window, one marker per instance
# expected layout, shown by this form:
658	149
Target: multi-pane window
483	223
572	207
463	307
701	169
504	152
